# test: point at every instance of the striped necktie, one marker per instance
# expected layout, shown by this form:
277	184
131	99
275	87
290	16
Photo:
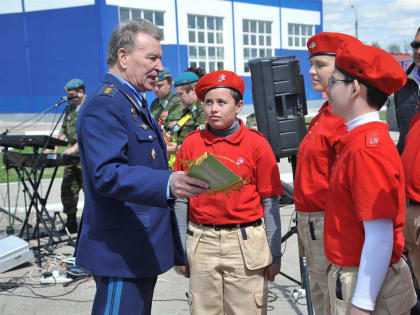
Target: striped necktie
146	106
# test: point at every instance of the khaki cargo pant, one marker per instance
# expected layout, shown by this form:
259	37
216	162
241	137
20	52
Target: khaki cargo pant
227	270
397	295
412	237
311	234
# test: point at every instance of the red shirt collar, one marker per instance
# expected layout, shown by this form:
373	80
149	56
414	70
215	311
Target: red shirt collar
210	138
325	107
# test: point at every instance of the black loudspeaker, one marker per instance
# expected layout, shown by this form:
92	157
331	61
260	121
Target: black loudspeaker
278	93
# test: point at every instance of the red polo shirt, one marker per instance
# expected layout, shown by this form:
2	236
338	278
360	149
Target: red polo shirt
315	159
411	160
367	183
248	154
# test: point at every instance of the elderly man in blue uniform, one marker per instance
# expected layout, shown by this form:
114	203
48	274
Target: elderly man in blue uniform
129	233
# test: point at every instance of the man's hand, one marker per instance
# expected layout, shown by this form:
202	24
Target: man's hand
271	271
184	270
184	186
69	150
72	149
172	149
354	310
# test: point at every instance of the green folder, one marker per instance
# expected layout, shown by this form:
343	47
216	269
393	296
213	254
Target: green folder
212	171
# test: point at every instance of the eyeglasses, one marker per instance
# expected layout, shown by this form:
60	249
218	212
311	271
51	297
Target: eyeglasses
415	45
332	81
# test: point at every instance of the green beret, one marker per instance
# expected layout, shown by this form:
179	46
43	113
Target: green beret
185	78
164	74
74	84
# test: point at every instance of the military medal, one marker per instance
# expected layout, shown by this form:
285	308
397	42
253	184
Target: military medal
134	114
144	126
153	154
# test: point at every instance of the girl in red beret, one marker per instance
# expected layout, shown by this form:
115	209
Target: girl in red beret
315	158
365	211
231	251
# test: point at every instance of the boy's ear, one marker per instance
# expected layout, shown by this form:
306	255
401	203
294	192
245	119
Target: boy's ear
356	88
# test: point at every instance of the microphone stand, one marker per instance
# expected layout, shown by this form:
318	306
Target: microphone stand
61	101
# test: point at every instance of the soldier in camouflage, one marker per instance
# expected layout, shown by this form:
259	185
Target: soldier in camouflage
192	116
72	179
167	104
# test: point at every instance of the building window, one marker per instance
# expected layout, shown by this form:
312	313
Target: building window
205	38
298	34
156	17
257	40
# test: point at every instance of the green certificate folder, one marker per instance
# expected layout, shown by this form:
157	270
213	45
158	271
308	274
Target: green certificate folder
209	169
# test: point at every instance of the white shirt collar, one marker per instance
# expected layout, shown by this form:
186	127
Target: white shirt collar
363	119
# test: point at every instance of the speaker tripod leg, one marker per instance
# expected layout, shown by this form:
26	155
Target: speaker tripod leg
306	285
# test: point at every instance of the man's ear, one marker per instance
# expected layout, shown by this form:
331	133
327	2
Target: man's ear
122	57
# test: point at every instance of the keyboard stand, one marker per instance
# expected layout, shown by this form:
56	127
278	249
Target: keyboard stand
31	177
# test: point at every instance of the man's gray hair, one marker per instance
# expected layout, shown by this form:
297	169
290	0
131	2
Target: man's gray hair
123	37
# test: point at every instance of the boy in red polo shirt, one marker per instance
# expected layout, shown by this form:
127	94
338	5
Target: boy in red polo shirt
231	252
365	210
411	162
315	158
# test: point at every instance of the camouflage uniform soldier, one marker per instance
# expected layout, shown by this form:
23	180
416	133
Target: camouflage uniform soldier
197	121
72	180
192	117
251	121
166	103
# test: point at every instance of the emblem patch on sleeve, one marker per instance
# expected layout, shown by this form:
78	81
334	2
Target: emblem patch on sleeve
372	140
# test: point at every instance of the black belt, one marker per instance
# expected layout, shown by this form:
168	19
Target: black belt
413	202
232	226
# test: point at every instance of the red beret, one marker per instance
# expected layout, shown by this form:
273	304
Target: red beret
327	43
371	65
219	79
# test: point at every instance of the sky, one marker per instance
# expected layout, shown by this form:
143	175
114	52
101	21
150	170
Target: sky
383	21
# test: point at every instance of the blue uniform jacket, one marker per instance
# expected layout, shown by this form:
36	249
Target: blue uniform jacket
129	229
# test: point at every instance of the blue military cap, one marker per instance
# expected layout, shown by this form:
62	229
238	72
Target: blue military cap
164	74
74	84
185	78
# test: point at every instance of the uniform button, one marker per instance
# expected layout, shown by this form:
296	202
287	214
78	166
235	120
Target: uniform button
150	137
310	132
337	155
316	123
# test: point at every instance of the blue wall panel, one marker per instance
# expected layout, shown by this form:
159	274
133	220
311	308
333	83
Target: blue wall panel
60	44
14	71
62	47
108	18
248	90
175	58
315	5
